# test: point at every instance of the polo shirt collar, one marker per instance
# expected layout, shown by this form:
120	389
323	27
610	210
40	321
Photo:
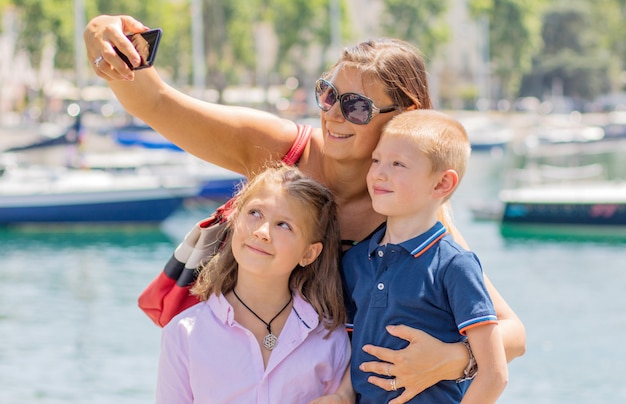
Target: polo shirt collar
414	246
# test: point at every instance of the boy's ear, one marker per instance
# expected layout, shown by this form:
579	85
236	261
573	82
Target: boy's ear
311	254
448	181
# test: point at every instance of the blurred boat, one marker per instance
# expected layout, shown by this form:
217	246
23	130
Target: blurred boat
535	177
146	149
566	134
216	183
146	181
140	134
51	135
485	133
486	210
65	195
575	204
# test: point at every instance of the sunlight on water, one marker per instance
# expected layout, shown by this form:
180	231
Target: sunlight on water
70	326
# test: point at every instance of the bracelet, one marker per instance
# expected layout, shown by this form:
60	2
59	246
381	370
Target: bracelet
472	367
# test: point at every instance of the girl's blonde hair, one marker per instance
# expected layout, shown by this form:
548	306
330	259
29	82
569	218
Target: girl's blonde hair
319	283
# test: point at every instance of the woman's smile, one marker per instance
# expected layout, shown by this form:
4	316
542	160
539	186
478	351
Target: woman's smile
338	135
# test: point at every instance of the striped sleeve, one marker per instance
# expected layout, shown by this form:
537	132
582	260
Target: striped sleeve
475	322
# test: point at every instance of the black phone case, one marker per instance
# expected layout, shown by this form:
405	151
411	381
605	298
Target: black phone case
153	37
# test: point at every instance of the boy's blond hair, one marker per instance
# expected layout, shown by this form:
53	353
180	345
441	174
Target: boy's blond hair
439	136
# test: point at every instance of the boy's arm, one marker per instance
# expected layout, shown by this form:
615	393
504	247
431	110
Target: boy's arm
511	327
492	376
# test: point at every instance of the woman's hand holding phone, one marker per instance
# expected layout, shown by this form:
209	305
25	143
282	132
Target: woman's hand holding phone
104	35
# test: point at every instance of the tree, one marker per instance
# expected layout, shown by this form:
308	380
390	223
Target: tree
608	21
236	53
572	62
297	26
51	17
419	22
514	35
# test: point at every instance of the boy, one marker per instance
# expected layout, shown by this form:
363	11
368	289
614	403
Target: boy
411	271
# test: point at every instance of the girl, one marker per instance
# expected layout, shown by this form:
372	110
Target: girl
269	328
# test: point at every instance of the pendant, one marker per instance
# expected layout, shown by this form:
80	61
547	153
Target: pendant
269	341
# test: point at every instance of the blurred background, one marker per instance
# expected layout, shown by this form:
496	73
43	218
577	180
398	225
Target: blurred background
556	56
93	202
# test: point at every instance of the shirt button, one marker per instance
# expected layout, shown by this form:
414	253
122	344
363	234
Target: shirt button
380	286
380	253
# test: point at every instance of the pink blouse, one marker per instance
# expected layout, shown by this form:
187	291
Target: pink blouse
207	357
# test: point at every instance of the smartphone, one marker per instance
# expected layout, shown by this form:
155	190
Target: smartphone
146	44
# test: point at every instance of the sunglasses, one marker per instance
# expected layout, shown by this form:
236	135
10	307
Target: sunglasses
356	108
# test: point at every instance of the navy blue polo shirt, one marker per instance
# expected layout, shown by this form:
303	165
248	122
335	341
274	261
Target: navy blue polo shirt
429	283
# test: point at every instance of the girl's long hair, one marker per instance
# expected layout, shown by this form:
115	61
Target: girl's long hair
319	283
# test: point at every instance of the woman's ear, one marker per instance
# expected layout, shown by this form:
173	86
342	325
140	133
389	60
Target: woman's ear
447	183
311	254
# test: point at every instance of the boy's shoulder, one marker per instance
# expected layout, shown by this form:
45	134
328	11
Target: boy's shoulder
451	244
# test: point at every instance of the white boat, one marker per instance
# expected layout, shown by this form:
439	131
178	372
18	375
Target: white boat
485	133
65	195
217	183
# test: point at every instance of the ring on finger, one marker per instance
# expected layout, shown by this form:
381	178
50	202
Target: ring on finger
388	366
97	61
393	384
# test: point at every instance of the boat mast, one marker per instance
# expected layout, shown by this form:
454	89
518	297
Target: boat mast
79	48
197	45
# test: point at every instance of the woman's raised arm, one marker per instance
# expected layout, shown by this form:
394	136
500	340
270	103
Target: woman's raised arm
237	138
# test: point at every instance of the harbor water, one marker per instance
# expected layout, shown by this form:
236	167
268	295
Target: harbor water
71	332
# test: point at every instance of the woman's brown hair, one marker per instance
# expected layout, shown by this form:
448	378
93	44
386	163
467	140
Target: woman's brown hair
397	64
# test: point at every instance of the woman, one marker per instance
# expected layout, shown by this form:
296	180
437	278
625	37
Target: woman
389	76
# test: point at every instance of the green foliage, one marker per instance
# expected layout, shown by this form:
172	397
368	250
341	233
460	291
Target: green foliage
580	42
514	35
294	25
419	22
241	16
571	55
608	21
576	42
233	36
478	8
55	19
38	18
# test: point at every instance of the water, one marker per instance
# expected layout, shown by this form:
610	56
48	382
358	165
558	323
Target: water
69	326
71	332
